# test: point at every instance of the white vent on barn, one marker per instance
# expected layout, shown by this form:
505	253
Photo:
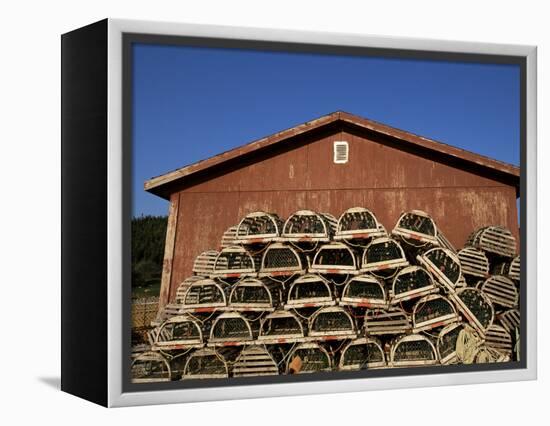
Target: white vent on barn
362	353
341	152
150	367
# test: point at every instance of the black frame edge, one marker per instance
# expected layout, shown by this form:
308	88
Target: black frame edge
84	212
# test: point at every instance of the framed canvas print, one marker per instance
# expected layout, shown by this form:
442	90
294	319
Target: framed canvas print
252	212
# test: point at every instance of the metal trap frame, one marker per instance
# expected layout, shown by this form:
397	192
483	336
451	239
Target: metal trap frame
364	291
280	327
255	361
497	337
230	329
416	228
383	257
204	263
314	358
258	228
282	260
410	283
444	266
309	291
150	367
501	291
512	269
236	262
476	308
251	294
309	226
206	295
176	308
413	350
205	363
358	223
382	322
178	332
228	237
184	286
331	323
474	262
510	319
433	311
446	343
362	353
497	240
335	258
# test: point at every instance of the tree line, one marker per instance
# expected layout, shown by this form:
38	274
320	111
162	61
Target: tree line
148	235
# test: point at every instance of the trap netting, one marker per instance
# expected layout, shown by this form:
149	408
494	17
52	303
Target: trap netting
258	228
308	358
334	258
358	223
446	343
410	283
433	311
382	257
178	332
309	291
416	228
205	364
476	307
281	259
204	263
230	327
251	294
234	262
150	367
306	225
444	266
205	293
412	351
364	291
362	353
281	327
332	321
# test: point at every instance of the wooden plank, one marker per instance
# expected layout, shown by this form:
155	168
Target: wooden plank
169	245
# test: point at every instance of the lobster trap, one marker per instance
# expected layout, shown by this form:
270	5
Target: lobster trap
486	355
251	294
362	353
413	350
334	258
309	291
308	226
511	269
358	223
236	262
230	329
204	263
410	283
474	262
444	266
433	311
501	291
150	367
494	239
416	228
229	237
282	260
383	257
308	358
281	327
364	291
184	286
258	228
382	322
476	308
255	361
178	332
446	343
205	295
332	323
497	337
205	363
509	319
172	309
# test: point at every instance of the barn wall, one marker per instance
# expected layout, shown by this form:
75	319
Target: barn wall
382	178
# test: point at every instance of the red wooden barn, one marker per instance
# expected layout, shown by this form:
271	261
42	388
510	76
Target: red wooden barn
384	169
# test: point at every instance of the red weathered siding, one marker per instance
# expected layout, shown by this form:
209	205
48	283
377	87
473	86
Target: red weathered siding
380	177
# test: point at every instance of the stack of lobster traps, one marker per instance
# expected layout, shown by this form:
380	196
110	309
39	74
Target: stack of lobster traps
316	293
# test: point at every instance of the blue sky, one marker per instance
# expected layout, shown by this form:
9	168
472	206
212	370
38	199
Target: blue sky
191	103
